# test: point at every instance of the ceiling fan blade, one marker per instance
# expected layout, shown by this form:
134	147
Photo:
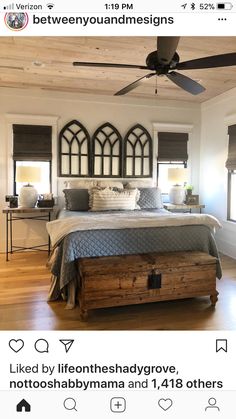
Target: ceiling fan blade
223	60
166	47
185	83
134	84
86	64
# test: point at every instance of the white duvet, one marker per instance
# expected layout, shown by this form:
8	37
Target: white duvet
58	229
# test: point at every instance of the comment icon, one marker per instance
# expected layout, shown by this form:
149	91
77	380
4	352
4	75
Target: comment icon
41	346
70	404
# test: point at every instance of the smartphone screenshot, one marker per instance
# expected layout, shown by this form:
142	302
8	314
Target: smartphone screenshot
118	209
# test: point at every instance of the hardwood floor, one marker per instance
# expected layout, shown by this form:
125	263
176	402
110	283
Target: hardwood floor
24	284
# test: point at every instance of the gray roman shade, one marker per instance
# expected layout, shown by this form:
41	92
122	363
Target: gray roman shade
32	142
172	146
231	160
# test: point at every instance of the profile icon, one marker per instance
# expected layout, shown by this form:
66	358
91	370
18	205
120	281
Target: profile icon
212	405
16	21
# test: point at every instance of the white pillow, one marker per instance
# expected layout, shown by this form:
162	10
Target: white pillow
142	183
80	184
110	184
107	199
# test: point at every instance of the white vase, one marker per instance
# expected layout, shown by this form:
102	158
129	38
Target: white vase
177	195
28	196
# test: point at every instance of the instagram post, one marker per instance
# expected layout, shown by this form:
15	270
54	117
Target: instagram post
118	209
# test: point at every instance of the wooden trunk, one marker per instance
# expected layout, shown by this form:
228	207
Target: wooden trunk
137	279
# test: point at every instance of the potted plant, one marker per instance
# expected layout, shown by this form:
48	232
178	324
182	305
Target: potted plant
189	189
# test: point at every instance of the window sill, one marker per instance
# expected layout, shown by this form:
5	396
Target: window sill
229	225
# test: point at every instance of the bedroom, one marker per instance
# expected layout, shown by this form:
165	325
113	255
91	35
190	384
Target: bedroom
43	88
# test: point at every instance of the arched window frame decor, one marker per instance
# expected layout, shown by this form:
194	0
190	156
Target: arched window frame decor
134	139
75	137
98	151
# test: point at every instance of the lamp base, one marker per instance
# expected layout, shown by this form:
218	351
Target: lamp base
28	196
177	195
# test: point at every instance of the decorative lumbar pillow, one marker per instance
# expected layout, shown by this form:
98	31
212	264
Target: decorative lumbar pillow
108	199
141	183
76	199
110	184
91	193
150	198
80	184
100	188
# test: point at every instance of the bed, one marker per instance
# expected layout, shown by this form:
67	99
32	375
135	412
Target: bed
83	234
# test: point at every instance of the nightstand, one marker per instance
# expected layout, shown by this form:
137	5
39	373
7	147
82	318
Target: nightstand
183	207
21	213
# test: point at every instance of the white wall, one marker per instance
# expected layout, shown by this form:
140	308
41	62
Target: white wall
91	111
217	115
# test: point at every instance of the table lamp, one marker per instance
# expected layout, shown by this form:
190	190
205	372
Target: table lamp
28	195
177	177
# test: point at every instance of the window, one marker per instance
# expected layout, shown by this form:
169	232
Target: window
172	153
42	187
32	147
162	174
231	166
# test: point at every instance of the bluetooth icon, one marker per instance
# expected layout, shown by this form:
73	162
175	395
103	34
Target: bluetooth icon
193	6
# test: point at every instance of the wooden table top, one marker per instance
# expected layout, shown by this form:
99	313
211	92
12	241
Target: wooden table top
182	206
24	210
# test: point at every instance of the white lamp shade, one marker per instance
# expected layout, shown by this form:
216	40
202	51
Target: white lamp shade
177	176
28	174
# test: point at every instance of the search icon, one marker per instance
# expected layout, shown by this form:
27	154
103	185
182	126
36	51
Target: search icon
70	404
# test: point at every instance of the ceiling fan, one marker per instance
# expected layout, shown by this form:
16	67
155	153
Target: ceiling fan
164	61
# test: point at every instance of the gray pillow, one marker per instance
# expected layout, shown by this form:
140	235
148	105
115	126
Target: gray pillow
150	198
76	199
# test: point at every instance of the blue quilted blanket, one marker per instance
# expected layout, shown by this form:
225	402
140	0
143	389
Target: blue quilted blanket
91	243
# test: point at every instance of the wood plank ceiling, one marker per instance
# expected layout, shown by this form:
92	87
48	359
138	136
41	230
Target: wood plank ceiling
46	63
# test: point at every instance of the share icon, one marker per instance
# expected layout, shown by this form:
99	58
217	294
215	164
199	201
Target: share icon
67	343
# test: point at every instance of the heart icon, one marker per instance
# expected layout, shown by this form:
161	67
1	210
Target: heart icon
16	345
165	404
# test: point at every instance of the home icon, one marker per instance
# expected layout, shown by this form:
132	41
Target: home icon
23	405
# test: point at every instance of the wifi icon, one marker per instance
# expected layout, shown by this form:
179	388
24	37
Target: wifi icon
50	5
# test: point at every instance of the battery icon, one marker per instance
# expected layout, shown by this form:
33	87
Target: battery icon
224	6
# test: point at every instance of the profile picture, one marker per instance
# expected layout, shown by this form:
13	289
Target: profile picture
16	21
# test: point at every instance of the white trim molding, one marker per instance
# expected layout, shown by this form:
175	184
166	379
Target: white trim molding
172	127
230	119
